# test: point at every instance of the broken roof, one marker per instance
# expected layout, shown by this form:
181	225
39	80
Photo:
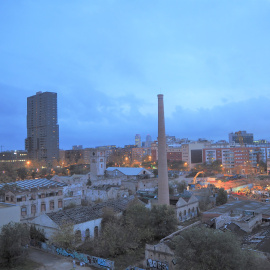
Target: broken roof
83	214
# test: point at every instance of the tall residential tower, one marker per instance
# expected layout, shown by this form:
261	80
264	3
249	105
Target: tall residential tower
42	142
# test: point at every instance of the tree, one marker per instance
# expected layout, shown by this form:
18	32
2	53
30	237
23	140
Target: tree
13	239
37	235
181	186
138	218
221	196
65	237
22	173
8	172
163	220
206	249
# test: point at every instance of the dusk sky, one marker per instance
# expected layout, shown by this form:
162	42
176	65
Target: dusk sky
108	61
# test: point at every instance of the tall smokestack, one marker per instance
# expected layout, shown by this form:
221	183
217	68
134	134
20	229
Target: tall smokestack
163	183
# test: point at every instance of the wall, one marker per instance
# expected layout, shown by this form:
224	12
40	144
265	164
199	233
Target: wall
31	197
186	210
159	256
250	224
9	213
88	225
84	258
94	194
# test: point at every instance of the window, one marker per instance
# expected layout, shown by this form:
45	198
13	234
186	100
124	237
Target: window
23	211
78	236
60	204
51	205
7	198
96	232
60	193
43	195
23	199
43	207
87	234
33	209
19	199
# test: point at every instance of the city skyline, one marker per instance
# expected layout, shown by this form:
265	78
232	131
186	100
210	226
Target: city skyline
107	62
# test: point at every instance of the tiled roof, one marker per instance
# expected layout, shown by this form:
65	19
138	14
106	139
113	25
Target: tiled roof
126	170
82	214
34	183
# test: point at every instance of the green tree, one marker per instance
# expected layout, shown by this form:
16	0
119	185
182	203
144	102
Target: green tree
206	249
138	219
181	186
64	237
8	172
13	239
37	235
22	173
163	220
222	196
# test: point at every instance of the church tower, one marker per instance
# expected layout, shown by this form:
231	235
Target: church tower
97	163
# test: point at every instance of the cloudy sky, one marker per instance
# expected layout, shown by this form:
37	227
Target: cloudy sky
108	60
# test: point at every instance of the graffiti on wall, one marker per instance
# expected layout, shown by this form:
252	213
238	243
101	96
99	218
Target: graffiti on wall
87	259
152	264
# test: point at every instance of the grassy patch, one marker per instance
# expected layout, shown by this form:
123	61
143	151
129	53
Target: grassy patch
27	265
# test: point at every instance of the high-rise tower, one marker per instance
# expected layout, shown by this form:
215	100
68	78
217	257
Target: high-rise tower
42	142
138	140
163	182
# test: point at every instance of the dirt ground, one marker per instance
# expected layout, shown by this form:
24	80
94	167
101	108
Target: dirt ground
52	262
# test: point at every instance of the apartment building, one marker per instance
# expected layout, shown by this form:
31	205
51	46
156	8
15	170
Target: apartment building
42	142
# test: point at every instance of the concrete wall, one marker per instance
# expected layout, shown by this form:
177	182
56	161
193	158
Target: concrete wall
105	194
82	227
159	256
9	213
249	224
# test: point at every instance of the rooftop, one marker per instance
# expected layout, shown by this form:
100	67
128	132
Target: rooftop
126	170
82	214
240	206
34	183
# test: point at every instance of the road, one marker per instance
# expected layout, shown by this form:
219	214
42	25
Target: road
52	262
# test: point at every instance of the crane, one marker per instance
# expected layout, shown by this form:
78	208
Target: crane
195	177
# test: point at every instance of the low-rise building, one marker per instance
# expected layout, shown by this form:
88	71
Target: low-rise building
86	220
129	172
246	214
187	208
34	197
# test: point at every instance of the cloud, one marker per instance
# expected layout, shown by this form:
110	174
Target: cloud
218	122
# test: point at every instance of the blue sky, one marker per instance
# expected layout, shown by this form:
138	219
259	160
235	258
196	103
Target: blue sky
108	60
